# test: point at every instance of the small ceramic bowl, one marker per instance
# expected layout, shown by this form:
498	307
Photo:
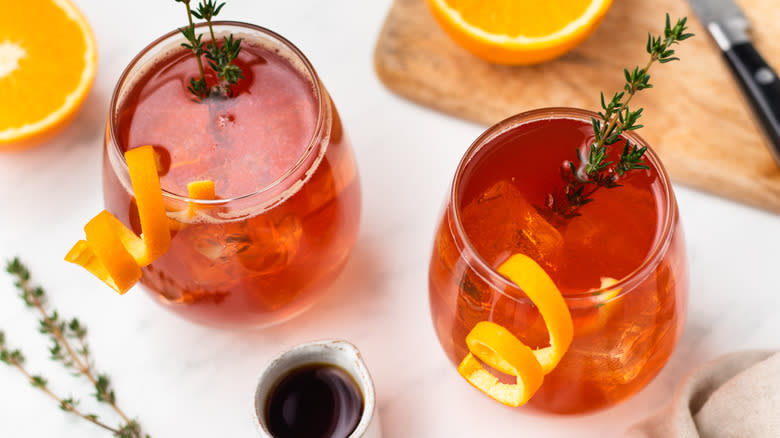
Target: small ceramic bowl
334	352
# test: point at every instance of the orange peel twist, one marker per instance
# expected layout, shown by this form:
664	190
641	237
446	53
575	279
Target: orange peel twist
200	190
500	349
111	251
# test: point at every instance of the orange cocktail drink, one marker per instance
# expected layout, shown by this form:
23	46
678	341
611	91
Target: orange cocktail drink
287	205
619	264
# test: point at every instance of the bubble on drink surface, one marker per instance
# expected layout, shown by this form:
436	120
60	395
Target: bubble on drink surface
225	120
501	222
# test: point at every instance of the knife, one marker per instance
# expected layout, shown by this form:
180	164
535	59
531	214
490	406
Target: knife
728	27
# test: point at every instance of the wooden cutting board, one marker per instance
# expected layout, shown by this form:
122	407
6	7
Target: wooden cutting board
695	116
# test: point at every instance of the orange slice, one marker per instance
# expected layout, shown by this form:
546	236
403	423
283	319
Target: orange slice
48	59
519	32
500	349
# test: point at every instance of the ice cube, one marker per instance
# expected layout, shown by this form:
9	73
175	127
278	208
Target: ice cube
623	361
621	352
619	225
501	222
205	255
270	245
208	241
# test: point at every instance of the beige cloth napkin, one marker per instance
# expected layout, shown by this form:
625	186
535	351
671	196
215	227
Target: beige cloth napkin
735	396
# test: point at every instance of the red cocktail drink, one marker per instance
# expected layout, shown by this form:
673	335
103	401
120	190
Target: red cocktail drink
620	265
288	197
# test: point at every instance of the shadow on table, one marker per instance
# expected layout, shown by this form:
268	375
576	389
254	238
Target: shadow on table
353	295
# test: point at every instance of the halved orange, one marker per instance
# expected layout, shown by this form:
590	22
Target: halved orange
48	59
519	32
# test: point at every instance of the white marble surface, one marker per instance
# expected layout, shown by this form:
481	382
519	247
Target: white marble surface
184	380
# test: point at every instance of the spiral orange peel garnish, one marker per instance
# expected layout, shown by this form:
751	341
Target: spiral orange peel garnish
142	163
111	251
498	348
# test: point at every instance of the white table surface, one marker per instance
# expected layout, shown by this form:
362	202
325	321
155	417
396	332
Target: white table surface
184	380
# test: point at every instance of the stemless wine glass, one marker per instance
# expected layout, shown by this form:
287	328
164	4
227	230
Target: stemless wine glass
626	326
287	205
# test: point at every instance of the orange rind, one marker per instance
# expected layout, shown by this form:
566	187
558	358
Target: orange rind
142	164
106	238
123	277
203	190
540	289
500	349
111	251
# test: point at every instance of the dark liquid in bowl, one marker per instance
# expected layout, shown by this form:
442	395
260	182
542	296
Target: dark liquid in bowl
314	401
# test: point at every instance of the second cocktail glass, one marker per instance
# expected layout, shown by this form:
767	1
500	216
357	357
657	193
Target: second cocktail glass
288	197
619	263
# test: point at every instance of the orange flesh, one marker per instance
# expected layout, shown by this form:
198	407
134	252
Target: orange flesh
520	18
47	64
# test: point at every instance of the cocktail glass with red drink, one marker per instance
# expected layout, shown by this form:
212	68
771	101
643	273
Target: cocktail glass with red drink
619	263
287	205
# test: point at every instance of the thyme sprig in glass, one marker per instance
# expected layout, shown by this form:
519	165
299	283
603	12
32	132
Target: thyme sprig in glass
69	348
220	57
592	171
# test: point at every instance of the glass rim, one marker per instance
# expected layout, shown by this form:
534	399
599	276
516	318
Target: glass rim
491	276
314	140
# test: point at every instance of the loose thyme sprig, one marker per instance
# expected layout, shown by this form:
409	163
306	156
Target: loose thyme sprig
593	171
70	348
220	58
16	359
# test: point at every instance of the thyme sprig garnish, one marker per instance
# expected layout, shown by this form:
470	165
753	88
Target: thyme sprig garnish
220	57
592	171
69	347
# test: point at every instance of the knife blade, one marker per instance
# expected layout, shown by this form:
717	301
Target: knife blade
729	27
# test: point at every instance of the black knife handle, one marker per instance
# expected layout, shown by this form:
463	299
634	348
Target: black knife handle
762	88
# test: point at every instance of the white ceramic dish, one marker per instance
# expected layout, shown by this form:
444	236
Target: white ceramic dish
334	352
